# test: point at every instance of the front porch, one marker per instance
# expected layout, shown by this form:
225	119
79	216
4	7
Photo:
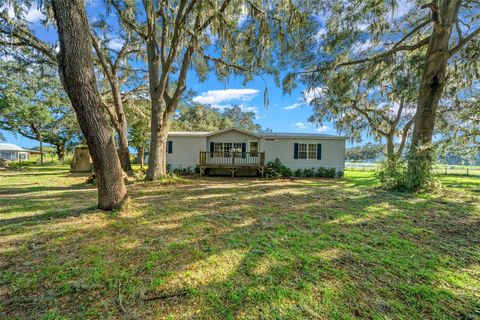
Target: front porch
232	161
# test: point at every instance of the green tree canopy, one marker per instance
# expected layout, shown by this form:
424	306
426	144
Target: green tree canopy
34	105
198	117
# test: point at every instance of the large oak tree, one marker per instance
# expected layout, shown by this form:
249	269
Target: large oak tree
118	80
76	67
34	104
442	32
225	36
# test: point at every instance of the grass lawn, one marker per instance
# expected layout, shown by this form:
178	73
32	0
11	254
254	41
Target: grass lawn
223	248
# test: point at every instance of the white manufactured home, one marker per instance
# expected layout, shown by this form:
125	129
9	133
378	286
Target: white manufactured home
239	152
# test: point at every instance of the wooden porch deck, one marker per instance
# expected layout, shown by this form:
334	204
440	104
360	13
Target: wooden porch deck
233	161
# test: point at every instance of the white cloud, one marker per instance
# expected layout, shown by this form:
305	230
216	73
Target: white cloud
362	46
300	125
9	10
403	7
8	57
243	16
34	15
216	97
321	32
294	105
308	96
323	129
312	93
115	44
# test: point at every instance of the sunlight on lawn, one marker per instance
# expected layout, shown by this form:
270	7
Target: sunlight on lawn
223	248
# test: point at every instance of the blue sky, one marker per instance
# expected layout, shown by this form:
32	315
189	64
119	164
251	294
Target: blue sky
285	113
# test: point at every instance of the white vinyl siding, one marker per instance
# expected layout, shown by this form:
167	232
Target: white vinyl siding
186	151
333	153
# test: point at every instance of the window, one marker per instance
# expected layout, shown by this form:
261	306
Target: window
6	155
302	151
312	151
227	148
253	148
237	149
169	146
218	147
307	151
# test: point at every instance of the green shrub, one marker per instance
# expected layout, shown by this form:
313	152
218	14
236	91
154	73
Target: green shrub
309	172
277	169
183	171
392	174
419	173
298	173
326	172
11	165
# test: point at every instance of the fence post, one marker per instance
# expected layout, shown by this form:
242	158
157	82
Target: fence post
467	171
445	169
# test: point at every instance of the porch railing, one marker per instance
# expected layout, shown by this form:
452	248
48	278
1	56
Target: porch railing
232	159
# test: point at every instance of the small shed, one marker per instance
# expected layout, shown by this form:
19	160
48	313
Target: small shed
81	162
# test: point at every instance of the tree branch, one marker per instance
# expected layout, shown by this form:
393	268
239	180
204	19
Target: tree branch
129	23
381	56
25	36
464	41
230	65
403	140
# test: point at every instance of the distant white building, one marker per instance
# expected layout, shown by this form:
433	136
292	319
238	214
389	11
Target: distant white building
10	151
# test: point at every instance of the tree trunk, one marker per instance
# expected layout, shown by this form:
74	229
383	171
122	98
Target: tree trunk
60	151
431	89
117	116
123	151
141	155
157	164
78	77
390	146
41	150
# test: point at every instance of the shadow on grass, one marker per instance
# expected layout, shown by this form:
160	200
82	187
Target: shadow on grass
34	189
47	216
252	249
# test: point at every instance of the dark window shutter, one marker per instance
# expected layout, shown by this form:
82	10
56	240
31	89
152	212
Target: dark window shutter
212	147
244	147
170	146
295	151
319	151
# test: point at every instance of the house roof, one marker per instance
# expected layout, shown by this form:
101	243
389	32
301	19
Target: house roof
300	135
11	147
189	133
258	135
275	135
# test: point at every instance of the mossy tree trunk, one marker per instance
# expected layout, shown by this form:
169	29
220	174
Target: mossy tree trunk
76	68
444	14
